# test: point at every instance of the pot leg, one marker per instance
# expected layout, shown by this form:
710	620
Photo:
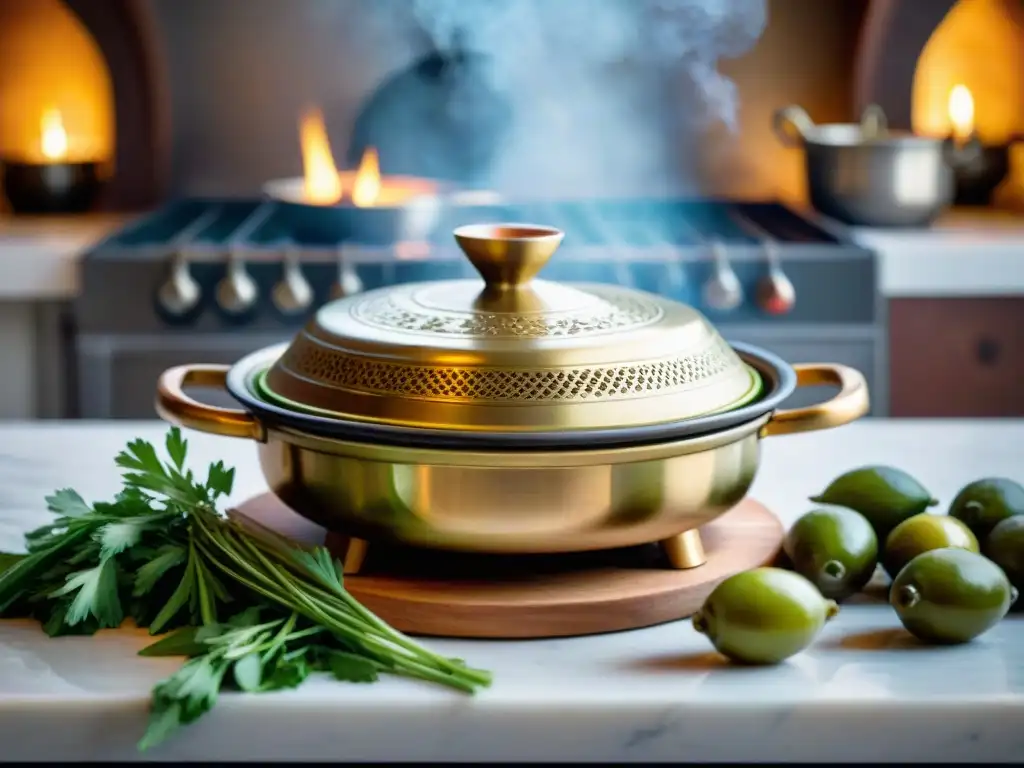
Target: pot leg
351	552
355	555
685	550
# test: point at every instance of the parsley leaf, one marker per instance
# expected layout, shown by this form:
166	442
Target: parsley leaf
95	594
177	447
219	480
67	503
150	572
351	668
117	537
181	642
248	672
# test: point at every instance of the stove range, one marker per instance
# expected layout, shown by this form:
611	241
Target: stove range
155	294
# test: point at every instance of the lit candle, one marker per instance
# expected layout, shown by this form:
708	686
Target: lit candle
53	177
53	138
961	113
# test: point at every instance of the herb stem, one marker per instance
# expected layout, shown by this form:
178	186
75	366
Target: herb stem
369	620
419	663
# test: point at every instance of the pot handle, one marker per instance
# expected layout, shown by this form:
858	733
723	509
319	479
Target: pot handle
873	122
791	125
850	404
175	407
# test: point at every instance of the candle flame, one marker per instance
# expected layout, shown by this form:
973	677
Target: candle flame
961	111
54	138
367	185
322	182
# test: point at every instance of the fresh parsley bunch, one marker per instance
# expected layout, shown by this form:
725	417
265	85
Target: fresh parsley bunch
249	608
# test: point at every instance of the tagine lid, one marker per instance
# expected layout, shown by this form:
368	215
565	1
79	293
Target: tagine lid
509	351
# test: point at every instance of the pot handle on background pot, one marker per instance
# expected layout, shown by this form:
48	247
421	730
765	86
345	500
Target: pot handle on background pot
175	407
850	404
791	125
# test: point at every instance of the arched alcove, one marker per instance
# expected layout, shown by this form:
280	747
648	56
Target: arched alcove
50	65
912	53
96	65
979	45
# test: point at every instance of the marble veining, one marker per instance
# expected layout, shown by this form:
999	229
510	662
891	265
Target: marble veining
865	691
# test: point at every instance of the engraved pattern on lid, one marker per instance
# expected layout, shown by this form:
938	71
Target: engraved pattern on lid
612	311
309	359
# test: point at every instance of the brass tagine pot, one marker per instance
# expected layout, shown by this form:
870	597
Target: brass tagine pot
511	414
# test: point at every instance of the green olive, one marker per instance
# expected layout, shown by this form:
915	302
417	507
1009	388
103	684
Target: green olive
835	549
922	533
983	504
763	616
886	496
1005	547
951	595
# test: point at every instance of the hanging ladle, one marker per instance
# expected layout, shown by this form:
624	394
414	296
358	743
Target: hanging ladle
180	293
347	283
722	291
236	292
292	294
775	293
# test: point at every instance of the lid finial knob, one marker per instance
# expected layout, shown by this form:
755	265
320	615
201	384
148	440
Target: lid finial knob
508	256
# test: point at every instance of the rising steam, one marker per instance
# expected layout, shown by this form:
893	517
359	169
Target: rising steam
604	92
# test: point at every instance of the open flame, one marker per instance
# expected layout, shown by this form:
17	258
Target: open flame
367	185
322	182
961	112
53	136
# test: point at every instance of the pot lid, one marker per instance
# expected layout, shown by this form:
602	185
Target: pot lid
509	352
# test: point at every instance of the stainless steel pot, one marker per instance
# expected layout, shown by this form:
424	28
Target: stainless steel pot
866	175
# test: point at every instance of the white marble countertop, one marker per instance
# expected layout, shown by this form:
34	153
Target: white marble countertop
39	254
967	253
862	692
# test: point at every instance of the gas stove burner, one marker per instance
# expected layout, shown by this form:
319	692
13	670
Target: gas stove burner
407	209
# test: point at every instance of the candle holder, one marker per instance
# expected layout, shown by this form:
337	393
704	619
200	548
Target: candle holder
55	188
983	168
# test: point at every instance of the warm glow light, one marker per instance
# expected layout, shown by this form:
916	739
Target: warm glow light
978	47
961	112
367	185
322	182
53	137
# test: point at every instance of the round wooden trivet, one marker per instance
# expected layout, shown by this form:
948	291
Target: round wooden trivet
447	594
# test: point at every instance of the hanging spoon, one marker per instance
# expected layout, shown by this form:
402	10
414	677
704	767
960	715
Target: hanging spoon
722	291
347	282
775	292
180	293
237	291
292	294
